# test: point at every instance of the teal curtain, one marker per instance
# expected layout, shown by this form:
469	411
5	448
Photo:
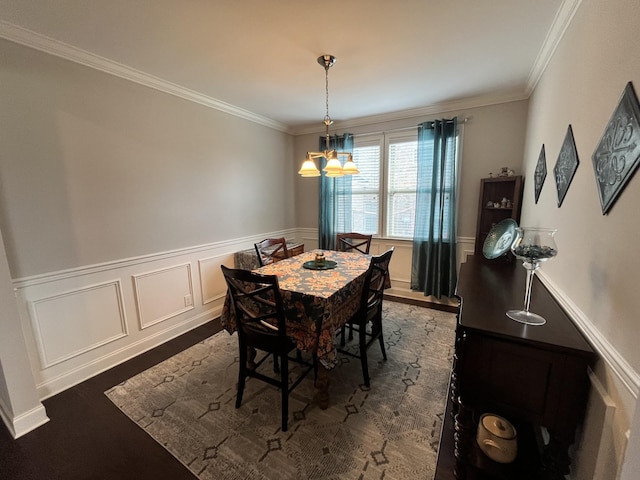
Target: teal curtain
335	194
433	269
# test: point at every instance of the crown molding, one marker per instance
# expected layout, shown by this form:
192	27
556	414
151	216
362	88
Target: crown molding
40	42
435	109
46	44
561	22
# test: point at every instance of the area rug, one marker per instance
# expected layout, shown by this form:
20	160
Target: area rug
388	431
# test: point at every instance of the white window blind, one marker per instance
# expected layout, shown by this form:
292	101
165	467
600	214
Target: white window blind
401	190
365	193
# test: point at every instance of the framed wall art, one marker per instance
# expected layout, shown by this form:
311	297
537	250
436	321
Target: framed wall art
566	165
617	156
540	173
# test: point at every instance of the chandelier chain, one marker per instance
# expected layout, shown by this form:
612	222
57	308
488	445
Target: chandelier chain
326	89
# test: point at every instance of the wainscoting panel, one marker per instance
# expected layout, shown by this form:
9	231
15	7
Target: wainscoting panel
400	266
83	321
597	457
212	281
308	236
163	294
91	316
464	248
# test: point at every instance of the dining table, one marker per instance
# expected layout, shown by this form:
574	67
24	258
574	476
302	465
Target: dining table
318	300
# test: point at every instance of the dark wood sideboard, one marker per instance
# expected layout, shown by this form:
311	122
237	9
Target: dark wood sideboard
535	376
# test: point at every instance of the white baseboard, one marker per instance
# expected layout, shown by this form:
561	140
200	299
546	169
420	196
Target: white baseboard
24	423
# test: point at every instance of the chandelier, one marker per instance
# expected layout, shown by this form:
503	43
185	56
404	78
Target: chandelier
333	168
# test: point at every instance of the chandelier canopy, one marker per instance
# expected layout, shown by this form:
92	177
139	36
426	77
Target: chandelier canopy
333	167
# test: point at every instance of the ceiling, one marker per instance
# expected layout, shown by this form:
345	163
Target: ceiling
257	58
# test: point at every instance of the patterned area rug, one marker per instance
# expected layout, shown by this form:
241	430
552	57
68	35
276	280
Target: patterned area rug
389	431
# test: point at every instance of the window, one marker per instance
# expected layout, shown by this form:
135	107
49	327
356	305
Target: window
402	172
383	197
380	157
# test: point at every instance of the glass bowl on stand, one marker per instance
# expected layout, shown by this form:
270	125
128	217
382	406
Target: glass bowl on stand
533	246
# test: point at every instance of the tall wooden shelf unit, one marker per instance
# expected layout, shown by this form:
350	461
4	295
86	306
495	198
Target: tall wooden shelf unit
494	190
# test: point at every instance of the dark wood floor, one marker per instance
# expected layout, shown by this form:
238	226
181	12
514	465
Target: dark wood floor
88	438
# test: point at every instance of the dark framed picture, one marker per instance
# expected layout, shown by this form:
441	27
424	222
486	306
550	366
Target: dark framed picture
540	173
617	156
566	165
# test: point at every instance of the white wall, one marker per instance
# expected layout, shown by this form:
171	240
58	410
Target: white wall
595	273
96	168
118	204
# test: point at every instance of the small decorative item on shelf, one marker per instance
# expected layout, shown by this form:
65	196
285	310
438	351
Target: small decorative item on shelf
533	246
489	204
511	173
503	202
504	172
320	260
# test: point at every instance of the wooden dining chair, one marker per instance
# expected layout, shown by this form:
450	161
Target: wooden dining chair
347	242
260	322
353	241
271	250
370	312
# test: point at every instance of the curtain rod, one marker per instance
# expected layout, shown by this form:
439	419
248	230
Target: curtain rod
403	129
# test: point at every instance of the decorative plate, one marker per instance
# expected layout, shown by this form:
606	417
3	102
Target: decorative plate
328	265
500	238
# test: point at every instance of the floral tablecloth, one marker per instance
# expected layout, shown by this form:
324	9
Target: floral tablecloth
318	302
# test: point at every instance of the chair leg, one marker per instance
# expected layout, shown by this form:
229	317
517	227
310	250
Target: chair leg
342	334
242	374
276	367
284	389
363	354
377	324
315	367
381	340
251	357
